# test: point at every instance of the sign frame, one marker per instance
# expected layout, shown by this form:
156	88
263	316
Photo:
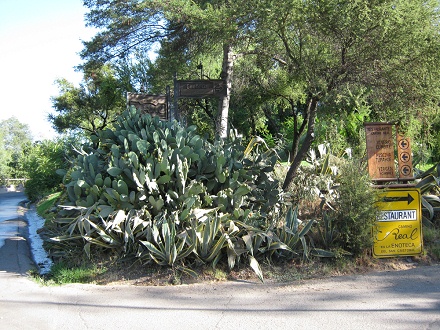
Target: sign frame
398	231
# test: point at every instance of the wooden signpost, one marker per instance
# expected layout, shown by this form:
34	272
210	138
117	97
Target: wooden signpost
398	229
199	88
380	150
155	105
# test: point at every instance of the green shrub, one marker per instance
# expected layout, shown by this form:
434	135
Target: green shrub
354	209
41	163
336	193
314	180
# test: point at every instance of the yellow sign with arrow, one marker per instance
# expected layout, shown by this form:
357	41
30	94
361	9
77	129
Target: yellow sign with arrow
398	229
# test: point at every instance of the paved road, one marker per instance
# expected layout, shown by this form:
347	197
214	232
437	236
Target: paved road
15	255
407	299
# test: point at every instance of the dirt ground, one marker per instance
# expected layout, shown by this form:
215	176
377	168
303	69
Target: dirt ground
153	275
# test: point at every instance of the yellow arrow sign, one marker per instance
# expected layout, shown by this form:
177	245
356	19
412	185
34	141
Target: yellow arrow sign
398	230
408	198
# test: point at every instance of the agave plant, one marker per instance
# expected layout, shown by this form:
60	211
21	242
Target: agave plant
293	234
167	247
327	232
259	243
210	238
218	233
119	231
429	184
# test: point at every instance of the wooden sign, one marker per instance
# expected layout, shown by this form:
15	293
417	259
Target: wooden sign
155	105
404	157
380	150
199	88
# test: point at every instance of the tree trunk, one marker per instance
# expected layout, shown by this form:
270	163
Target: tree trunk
296	137
223	111
310	136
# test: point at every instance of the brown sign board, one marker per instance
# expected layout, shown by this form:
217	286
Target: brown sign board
155	105
199	88
404	157
380	150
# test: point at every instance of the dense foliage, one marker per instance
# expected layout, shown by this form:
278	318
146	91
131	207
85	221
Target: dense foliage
337	192
150	179
158	192
293	68
354	213
15	141
161	166
41	164
91	106
303	74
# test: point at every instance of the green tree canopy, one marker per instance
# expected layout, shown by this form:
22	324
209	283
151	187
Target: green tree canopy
186	30
91	106
299	58
311	52
15	140
41	163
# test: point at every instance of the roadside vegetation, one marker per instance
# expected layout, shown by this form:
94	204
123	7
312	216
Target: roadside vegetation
158	204
268	179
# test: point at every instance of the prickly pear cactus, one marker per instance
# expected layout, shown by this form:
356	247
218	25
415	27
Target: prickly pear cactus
159	167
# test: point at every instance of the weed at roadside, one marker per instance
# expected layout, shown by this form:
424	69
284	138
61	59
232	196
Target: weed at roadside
431	242
62	274
45	205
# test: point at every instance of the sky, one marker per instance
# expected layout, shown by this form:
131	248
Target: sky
39	43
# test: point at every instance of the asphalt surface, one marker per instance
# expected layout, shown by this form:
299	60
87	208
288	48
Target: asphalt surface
15	256
408	299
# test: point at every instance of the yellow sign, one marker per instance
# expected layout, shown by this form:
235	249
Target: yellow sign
398	230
